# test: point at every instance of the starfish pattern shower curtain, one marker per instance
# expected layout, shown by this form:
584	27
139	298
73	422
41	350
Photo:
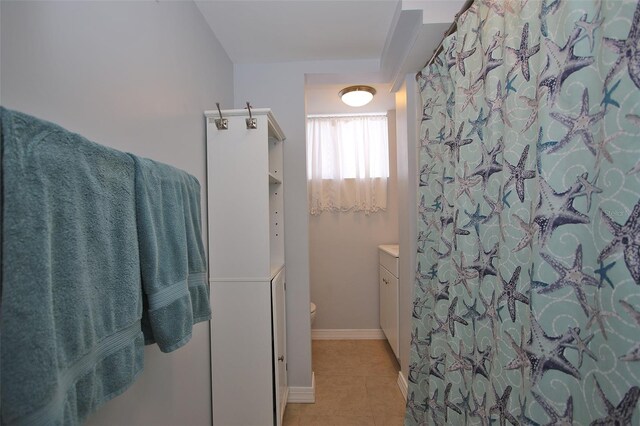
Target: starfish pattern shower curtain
527	296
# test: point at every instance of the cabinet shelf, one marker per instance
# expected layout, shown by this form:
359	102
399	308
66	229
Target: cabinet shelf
275	269
273	179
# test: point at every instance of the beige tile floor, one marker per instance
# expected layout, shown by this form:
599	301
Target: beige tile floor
356	384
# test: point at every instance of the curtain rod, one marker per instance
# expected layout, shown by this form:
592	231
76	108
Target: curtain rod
452	28
365	114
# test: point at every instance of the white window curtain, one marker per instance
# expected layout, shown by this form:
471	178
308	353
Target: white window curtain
347	163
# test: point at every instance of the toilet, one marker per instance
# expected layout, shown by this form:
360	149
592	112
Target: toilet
312	308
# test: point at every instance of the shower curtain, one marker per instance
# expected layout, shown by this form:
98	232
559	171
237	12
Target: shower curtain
527	294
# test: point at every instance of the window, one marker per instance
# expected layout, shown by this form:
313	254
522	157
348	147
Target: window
347	162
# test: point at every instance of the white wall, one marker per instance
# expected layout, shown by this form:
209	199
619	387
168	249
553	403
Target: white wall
135	76
343	246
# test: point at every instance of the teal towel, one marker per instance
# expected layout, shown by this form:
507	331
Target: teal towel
71	296
172	255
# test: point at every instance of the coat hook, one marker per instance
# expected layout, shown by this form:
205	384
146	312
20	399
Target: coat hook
221	123
252	123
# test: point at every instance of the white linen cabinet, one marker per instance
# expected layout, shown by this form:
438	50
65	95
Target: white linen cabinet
246	268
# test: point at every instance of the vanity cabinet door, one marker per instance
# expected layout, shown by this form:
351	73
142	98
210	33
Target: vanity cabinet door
388	287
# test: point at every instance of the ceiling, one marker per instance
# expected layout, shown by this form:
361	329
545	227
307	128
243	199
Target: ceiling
263	31
324	99
399	34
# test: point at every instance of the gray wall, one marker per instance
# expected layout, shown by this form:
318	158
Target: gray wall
135	76
343	246
407	110
280	86
343	250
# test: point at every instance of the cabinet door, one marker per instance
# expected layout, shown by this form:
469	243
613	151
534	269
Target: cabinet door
388	286
393	333
385	320
279	344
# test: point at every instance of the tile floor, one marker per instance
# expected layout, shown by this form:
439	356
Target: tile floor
356	384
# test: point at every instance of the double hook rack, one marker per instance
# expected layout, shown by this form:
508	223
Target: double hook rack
223	123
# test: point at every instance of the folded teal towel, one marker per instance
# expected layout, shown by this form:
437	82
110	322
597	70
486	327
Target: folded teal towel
70	335
172	255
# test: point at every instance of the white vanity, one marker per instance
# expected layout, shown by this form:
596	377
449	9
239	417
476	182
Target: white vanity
388	285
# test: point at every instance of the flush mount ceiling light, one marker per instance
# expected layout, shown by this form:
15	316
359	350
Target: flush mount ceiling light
357	96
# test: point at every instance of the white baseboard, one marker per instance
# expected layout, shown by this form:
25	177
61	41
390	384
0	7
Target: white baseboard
283	405
403	385
347	334
303	395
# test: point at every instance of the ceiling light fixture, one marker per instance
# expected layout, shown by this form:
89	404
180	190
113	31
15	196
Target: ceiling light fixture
357	96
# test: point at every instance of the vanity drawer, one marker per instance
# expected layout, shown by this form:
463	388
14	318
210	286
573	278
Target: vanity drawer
389	261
